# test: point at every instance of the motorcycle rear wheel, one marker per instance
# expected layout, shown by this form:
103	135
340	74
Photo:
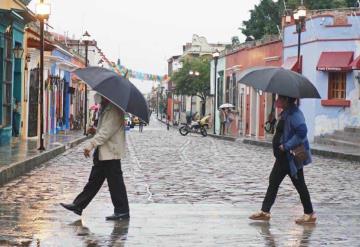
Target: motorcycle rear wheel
184	131
203	132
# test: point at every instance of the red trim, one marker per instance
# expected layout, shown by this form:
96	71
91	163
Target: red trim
312	18
336	102
356	63
291	63
339	25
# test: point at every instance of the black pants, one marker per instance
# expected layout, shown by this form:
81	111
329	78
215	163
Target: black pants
111	170
277	175
15	127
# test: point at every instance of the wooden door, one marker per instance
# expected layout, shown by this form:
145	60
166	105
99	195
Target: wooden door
33	103
262	106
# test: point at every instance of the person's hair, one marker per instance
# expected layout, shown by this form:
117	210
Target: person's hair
290	100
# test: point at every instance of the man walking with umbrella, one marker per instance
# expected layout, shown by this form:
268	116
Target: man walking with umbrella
109	146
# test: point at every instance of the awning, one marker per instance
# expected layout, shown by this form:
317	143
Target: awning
35	43
356	64
291	63
335	61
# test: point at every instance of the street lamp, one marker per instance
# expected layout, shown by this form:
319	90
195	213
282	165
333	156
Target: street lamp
299	17
42	10
195	74
18	51
216	58
86	39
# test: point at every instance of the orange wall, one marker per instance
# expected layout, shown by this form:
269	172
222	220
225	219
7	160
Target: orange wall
250	57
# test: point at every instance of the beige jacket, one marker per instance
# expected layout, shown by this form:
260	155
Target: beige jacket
110	134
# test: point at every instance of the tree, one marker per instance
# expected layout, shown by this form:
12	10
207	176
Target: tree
235	41
265	18
191	85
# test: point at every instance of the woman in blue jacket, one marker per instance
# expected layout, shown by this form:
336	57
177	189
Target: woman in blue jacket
291	132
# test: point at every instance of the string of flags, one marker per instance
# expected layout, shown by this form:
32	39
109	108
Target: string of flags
128	73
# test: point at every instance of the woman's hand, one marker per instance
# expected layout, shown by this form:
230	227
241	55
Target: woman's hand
91	131
87	152
281	147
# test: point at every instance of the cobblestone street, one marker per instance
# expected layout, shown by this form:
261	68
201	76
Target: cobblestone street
184	191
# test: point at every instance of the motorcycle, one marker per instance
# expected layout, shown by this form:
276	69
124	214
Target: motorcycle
194	127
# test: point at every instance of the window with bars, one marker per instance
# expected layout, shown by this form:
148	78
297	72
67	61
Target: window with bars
337	85
234	90
227	90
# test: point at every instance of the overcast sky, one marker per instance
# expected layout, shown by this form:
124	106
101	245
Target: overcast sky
144	33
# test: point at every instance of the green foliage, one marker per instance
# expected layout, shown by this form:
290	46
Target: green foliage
264	19
193	85
266	16
235	41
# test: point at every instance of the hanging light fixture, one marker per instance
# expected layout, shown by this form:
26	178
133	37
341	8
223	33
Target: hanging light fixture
18	51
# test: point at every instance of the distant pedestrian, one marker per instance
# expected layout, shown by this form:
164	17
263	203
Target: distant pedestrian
292	152
109	145
222	121
16	117
229	120
168	122
141	125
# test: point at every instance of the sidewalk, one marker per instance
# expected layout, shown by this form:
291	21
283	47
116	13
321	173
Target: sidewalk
347	153
21	156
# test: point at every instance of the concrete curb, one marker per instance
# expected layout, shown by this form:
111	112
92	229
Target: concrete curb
316	151
20	168
226	138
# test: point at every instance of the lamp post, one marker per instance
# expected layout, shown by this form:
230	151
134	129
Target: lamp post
299	17
194	74
42	10
86	40
216	58
157	103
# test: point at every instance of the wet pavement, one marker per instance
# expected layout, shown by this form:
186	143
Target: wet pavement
19	150
184	191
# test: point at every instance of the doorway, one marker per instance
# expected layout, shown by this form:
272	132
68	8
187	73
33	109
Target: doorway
33	102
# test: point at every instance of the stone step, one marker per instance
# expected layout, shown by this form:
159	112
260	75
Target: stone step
346	134
336	142
349	137
355	130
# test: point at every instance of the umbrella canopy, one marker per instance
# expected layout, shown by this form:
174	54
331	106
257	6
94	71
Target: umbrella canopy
226	105
119	90
280	81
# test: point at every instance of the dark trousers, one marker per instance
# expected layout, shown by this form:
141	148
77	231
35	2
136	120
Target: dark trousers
278	173
101	170
15	127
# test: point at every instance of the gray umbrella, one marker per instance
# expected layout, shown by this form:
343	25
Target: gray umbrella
280	81
119	90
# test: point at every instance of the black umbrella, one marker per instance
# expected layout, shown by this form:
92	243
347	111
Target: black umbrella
280	81
119	90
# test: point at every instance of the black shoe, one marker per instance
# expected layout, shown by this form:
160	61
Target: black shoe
72	208
118	216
